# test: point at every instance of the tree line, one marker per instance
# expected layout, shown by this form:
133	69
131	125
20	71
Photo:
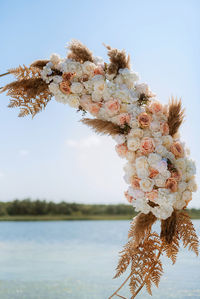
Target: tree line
43	207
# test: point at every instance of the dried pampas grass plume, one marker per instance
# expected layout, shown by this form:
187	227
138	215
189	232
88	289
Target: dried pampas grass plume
39	63
175	116
103	127
79	52
118	60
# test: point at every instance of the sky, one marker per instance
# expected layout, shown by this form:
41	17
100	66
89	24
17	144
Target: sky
54	156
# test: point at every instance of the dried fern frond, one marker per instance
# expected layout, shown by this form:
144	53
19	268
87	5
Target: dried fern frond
140	225
103	127
30	94
24	72
118	60
187	233
168	228
39	63
79	52
175	116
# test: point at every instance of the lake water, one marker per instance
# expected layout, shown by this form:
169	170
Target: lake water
77	259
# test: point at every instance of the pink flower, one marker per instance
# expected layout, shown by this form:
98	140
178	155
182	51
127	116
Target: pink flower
165	128
153	173
147	145
94	108
112	106
152	195
144	120
65	87
176	175
99	71
121	149
135	182
128	197
156	107
124	118
177	149
171	184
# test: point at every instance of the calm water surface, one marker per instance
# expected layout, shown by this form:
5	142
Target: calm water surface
76	259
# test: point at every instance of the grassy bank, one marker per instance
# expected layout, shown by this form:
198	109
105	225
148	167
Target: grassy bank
72	217
64	217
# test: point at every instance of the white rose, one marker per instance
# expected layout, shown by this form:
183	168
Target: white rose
88	68
54	88
140	204
191	168
130	156
70	66
161	150
187	195
136	133
192	186
155	126
98	83
119	79
130	169
96	96
181	164
76	87
167	141
119	138
133	144
137	194
154	159
179	204
55	59
146	185
142	167
160	181
182	186
88	85
73	101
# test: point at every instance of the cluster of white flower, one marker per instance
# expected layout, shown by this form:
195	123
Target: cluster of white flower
160	175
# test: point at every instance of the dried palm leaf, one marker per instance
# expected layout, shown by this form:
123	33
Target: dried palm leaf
103	127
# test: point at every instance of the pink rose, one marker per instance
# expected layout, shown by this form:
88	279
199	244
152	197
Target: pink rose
121	149
176	175
147	145
94	109
128	197
165	128
135	182
153	172
156	107
99	71
144	120
65	87
177	149
124	118
112	106
171	184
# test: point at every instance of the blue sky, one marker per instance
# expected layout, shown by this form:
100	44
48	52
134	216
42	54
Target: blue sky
53	156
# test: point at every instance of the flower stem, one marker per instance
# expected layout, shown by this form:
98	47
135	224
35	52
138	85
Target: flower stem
125	281
1	75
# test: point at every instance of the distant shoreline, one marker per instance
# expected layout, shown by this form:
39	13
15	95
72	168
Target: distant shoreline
70	217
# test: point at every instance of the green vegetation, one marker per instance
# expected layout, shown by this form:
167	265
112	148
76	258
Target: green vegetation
28	210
